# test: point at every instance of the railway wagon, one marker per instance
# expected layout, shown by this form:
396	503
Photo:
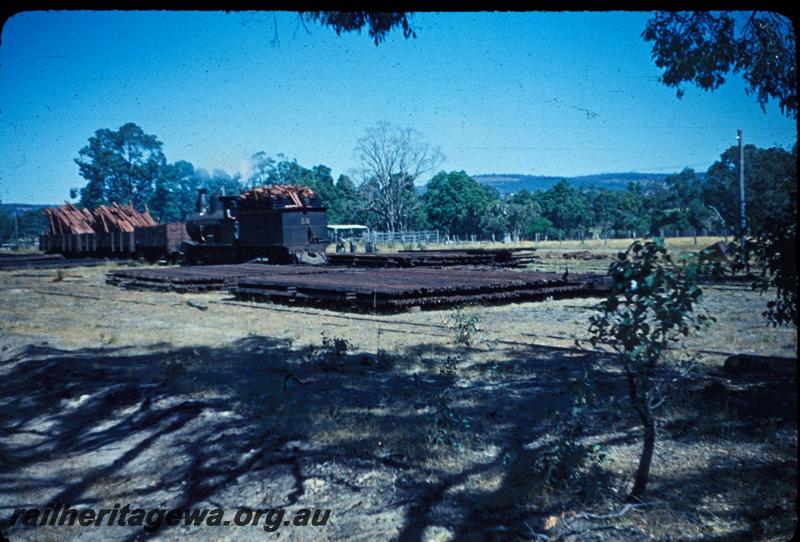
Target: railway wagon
162	241
105	232
97	244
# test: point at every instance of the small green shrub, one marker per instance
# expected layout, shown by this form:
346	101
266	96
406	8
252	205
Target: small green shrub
449	427
568	463
336	346
108	340
654	302
449	368
463	325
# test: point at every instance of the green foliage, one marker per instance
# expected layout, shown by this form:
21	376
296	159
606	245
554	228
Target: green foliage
680	205
495	219
653	302
377	23
567	462
771	206
120	166
29	225
702	48
448	367
775	249
620	209
565	206
175	192
336	346
128	165
456	202
773	246
332	355
450	427
463	325
770	186
342	202
525	215
6	225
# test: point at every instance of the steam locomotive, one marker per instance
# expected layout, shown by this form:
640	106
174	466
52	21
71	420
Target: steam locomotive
278	224
282	224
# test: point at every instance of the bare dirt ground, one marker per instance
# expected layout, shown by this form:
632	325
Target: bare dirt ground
111	396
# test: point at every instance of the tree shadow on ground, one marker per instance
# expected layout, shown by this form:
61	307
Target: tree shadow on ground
393	445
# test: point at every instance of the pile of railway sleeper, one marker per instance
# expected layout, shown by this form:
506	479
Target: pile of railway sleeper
448	257
363	288
200	278
396	289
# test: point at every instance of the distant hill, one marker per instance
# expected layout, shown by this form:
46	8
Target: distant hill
19	208
506	183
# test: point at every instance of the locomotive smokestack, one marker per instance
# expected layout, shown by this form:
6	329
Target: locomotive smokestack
202	201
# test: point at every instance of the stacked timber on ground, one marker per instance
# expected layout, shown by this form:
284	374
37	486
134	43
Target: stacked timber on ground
107	230
200	278
583	255
439	258
397	289
366	289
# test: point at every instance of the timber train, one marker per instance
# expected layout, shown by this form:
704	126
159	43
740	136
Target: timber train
278	224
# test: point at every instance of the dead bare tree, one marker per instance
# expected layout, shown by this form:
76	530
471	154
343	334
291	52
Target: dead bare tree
392	159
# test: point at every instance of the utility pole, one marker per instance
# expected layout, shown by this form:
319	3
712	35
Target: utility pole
742	218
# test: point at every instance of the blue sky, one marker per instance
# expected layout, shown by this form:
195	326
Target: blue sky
538	93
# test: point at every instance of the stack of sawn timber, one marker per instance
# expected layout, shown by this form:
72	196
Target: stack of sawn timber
448	257
68	219
394	289
199	278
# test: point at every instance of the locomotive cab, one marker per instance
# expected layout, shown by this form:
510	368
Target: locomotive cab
215	221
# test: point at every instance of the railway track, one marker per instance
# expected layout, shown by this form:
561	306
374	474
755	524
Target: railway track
11	262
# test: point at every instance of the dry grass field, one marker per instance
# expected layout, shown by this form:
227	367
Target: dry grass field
109	395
